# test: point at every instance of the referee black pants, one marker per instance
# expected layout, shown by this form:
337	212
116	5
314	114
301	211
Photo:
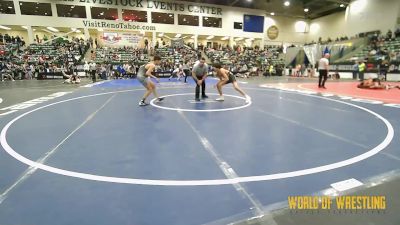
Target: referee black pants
187	73
93	72
323	76
203	88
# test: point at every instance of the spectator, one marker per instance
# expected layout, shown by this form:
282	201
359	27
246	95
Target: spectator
186	70
397	33
271	70
4	73
93	68
355	70
30	72
22	42
92	55
389	35
384	67
7	38
86	68
361	69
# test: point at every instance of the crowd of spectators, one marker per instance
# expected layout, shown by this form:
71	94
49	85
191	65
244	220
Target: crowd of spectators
53	55
375	35
109	63
173	57
121	55
382	52
7	39
246	62
63	55
385	47
36	60
328	40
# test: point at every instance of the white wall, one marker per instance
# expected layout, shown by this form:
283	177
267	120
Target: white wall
368	15
21	34
229	15
204	42
360	16
331	26
41	34
287	31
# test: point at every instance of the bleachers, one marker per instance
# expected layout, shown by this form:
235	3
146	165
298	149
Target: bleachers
384	49
172	57
121	55
49	52
6	50
248	57
176	55
53	52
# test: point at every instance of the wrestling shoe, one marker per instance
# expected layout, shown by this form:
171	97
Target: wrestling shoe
220	99
142	103
248	99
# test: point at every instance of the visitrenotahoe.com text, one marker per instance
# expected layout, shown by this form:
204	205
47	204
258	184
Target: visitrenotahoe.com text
119	25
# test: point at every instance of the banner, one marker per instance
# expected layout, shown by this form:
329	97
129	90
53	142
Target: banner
131	39
118	39
177	43
111	38
311	52
155	5
117	25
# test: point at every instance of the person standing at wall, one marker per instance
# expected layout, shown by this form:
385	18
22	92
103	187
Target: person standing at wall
384	70
86	69
92	67
186	70
361	70
355	70
323	68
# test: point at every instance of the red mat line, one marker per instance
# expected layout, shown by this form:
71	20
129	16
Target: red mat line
349	89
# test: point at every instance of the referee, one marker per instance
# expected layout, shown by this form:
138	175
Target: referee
199	74
323	68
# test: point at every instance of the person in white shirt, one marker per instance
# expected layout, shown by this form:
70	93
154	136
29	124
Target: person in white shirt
86	68
93	68
186	70
71	78
323	68
31	72
178	71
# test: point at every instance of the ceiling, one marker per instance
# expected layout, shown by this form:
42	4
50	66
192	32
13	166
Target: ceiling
317	8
